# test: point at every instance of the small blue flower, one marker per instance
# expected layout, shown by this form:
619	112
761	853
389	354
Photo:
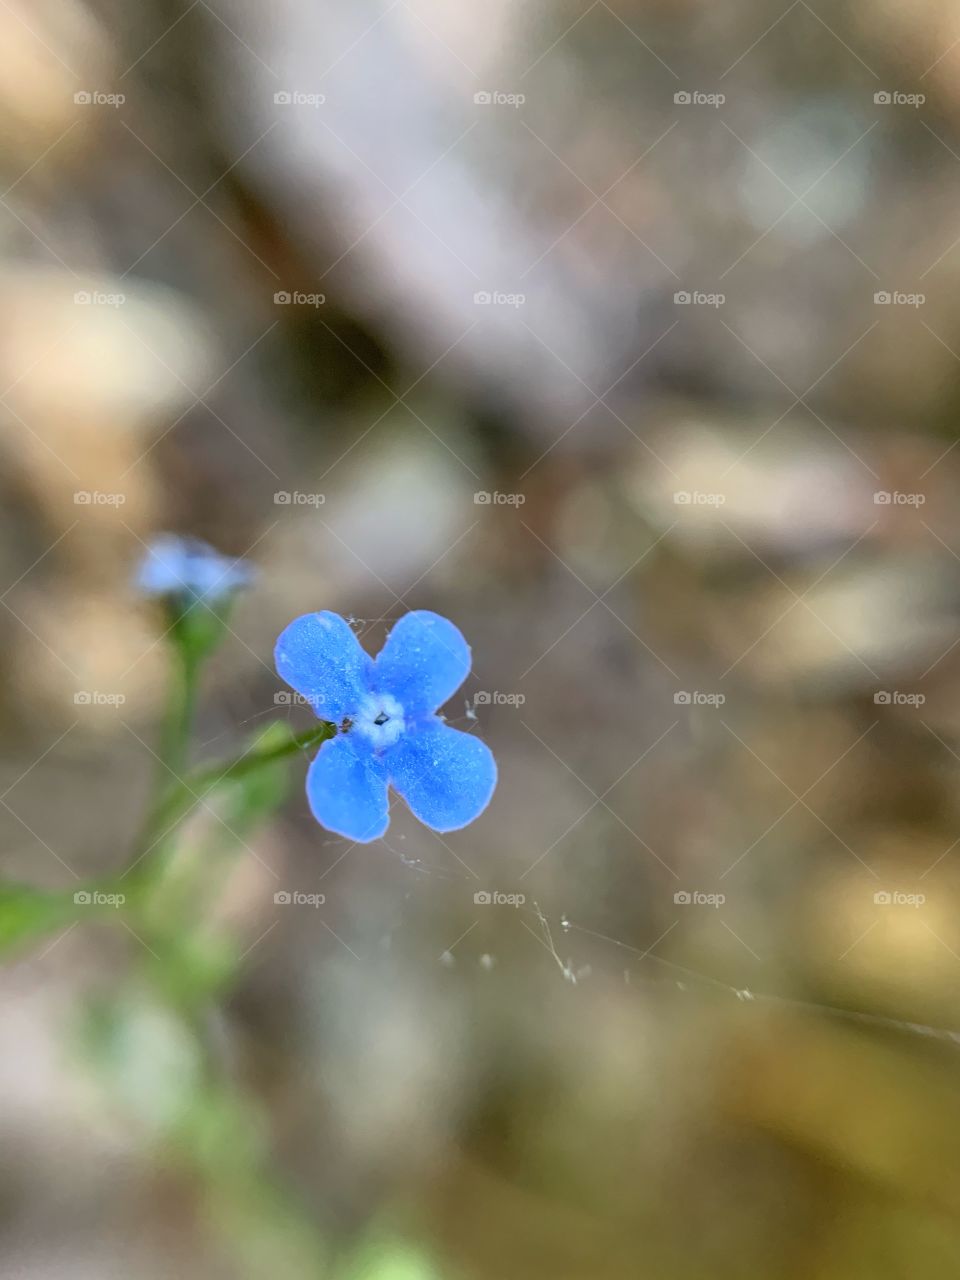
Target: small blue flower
191	569
389	734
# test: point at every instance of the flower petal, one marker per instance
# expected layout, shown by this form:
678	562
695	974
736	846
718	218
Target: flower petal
424	661
445	776
322	659
347	790
175	565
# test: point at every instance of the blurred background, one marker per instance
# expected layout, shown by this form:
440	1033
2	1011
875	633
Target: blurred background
625	335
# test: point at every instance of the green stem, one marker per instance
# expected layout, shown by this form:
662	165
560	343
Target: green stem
173	756
30	913
189	791
179	727
249	761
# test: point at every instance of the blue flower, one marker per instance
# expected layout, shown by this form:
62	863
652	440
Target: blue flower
389	734
189	569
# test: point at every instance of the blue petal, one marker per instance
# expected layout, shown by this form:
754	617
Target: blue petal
445	776
424	662
347	790
164	567
175	565
322	659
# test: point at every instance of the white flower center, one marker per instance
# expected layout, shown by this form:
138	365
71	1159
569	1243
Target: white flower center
380	719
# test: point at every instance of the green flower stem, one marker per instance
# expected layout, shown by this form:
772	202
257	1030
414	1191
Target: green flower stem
202	781
27	914
173	756
179	726
249	761
189	791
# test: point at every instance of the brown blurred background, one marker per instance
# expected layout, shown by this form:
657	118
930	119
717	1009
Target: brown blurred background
625	335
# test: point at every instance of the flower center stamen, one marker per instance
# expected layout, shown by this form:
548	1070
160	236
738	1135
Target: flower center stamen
379	720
